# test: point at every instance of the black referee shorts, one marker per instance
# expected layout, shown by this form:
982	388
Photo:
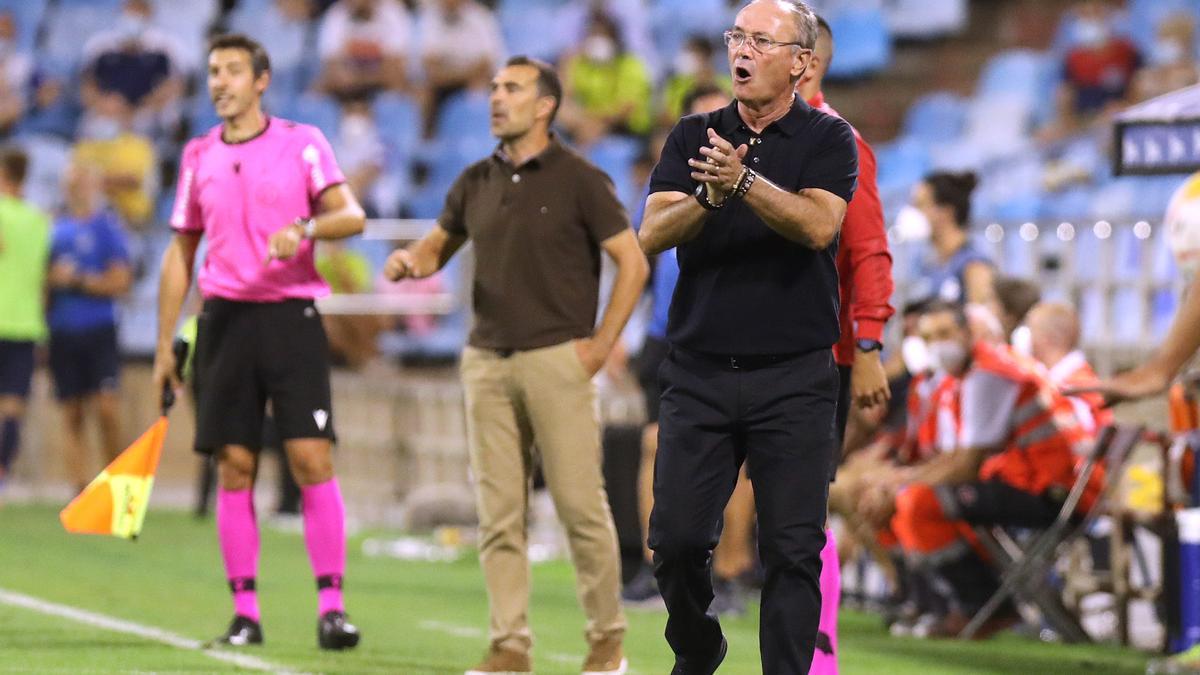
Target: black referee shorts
249	353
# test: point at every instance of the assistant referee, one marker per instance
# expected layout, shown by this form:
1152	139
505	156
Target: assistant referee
753	196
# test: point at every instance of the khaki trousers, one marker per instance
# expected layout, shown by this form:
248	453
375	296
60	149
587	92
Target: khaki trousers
540	398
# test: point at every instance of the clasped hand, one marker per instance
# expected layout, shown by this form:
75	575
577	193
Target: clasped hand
722	167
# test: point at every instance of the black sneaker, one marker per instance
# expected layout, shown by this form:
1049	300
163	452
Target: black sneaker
242	631
709	667
335	632
642	589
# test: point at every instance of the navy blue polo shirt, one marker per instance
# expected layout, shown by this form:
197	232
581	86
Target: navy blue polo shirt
743	288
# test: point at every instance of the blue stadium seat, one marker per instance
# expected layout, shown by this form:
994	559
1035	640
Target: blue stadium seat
926	19
864	43
517	17
1163	267
672	21
936	117
1071	205
1087	253
615	155
1166	301
1092	310
320	111
188	23
69	25
1019	73
399	121
1130	254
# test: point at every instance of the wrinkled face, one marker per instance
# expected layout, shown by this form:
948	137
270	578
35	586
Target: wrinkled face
515	104
763	75
231	82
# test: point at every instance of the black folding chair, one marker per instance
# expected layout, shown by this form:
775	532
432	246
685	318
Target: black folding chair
1025	567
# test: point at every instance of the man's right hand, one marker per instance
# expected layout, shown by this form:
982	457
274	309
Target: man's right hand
165	371
400	265
1136	384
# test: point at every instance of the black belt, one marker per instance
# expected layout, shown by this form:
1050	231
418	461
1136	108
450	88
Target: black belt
745	361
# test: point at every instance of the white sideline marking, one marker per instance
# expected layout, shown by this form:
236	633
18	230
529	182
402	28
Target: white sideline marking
128	627
451	629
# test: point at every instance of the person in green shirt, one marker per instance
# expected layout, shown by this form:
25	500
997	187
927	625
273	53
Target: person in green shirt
607	88
24	248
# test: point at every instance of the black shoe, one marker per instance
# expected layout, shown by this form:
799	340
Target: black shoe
242	631
335	632
642	589
707	668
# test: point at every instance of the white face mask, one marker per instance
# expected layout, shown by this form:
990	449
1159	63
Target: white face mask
687	63
1090	32
599	49
948	355
356	127
131	27
1022	341
915	354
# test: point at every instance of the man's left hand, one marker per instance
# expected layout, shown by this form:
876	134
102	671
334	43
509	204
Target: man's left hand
284	243
868	380
722	166
592	354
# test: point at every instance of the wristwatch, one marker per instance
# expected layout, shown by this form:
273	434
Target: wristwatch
868	345
308	226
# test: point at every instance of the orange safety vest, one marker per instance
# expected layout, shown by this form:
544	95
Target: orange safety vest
1039	452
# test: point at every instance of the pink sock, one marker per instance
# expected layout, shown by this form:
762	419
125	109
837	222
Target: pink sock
325	537
237	531
825	663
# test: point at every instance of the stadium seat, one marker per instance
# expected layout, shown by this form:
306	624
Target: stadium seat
70	24
1019	73
998	126
615	155
1130	259
1162	313
1092	315
399	121
188	22
320	111
926	19
516	17
864	43
936	117
1163	269
1127	316
1087	253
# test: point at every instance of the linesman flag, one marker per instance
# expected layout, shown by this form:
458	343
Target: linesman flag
115	501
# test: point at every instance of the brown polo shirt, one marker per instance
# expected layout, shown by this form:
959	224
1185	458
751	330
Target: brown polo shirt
537	230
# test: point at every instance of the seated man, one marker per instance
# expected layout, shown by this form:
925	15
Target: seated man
1054	343
1013	464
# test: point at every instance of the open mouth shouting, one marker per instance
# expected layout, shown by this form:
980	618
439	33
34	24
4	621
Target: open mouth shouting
743	71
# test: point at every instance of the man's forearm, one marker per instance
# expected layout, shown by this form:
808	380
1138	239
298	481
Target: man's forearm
794	216
960	466
666	226
172	289
1183	337
632	272
344	222
114	282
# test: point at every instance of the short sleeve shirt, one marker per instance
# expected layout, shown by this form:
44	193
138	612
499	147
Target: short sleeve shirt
91	245
239	194
743	288
537	230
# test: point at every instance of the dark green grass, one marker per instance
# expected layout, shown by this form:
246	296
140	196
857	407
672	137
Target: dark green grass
416	617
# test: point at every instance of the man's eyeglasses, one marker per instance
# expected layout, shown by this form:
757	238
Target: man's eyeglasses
760	43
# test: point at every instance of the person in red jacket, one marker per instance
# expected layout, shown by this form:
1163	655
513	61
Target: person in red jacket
864	267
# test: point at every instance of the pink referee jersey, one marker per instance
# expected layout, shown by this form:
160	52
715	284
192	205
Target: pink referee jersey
238	194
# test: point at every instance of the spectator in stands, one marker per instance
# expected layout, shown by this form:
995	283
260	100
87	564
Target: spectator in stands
955	270
363	46
607	88
16	69
89	269
1096	72
24	248
461	47
132	71
283	28
128	166
1013	464
360	149
1172	60
693	68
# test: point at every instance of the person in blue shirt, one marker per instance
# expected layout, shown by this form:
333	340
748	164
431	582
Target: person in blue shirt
89	269
955	271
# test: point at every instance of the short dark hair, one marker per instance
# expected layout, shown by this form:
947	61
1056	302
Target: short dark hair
259	61
698	92
1016	296
953	190
14	163
943	307
548	83
823	27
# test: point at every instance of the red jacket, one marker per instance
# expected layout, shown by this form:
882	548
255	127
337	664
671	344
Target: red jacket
864	263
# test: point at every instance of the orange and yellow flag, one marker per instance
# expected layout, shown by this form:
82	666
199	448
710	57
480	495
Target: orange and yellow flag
115	502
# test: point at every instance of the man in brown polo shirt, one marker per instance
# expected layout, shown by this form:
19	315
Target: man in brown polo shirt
539	215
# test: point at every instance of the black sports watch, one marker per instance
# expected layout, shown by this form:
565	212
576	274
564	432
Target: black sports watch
867	345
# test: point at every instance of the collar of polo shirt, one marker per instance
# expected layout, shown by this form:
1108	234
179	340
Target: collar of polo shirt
728	119
555	146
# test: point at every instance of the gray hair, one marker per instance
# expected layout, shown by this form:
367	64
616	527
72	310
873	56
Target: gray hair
805	20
